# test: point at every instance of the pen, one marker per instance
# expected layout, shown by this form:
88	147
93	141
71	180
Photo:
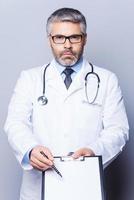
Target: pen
53	166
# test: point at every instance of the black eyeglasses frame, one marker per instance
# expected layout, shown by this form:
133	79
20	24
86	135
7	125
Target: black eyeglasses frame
67	37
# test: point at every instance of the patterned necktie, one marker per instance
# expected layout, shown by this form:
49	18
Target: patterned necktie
68	80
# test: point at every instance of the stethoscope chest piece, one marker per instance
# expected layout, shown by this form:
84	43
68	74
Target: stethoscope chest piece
42	100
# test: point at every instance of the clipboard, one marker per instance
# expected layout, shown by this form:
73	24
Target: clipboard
81	179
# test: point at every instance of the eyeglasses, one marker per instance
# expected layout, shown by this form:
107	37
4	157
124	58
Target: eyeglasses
61	39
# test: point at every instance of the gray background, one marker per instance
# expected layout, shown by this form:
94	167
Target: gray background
23	44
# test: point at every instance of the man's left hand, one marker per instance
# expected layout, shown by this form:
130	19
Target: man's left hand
82	152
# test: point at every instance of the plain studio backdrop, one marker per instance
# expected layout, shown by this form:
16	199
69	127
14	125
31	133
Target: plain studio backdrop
23	44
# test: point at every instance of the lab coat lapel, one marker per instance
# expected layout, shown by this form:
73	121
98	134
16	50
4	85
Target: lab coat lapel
79	80
54	79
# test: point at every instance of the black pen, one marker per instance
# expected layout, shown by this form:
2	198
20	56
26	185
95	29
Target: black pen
53	166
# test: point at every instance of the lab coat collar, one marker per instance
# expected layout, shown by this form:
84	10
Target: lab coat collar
54	79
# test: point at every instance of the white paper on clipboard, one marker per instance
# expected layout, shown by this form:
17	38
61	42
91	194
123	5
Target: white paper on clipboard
82	180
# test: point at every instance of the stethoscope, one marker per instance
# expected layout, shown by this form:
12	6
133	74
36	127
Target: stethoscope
43	100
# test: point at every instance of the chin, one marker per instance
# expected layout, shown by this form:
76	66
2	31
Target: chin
67	62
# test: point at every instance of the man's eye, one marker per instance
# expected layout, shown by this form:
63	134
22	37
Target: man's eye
59	37
75	37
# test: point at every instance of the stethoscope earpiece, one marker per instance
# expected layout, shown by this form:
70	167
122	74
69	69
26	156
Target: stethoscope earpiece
42	100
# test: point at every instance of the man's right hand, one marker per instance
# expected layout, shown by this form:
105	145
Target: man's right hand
38	161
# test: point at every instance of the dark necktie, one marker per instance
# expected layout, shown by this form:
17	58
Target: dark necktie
68	79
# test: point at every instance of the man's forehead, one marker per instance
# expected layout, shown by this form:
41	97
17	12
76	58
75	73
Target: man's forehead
65	28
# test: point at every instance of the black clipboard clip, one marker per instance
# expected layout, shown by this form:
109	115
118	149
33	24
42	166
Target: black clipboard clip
69	158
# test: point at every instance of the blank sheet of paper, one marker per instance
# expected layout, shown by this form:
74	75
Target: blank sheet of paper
82	180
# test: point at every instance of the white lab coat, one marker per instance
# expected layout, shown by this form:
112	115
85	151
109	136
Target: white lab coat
68	122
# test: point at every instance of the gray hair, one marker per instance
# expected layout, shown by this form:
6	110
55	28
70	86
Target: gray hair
67	15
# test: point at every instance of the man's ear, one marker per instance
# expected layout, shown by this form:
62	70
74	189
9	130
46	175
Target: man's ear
49	40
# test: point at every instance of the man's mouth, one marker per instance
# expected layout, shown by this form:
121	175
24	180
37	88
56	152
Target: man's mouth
68	53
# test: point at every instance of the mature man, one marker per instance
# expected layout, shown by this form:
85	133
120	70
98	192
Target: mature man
83	113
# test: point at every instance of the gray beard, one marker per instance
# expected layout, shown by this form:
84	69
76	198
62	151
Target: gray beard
63	63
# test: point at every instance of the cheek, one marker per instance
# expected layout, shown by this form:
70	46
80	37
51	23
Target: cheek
78	49
56	50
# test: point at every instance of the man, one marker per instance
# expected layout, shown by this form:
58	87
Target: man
84	114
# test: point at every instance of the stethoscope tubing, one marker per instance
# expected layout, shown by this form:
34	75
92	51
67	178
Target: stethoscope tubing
44	77
98	84
43	99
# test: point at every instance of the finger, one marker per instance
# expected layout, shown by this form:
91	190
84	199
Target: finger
48	154
87	154
41	159
39	163
76	154
45	159
83	152
36	154
35	166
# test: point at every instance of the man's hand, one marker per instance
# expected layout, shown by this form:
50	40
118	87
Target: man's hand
82	152
38	161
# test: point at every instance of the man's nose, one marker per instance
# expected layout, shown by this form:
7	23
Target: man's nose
67	43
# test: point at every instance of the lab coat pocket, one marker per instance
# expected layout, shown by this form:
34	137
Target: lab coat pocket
92	118
93	103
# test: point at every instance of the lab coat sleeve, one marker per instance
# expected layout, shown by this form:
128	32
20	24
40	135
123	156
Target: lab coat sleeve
114	134
18	125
